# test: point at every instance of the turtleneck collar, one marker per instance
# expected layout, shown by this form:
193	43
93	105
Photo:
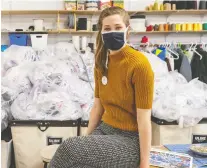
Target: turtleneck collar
120	54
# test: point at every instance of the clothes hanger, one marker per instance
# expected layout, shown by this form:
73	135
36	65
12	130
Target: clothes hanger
168	49
194	49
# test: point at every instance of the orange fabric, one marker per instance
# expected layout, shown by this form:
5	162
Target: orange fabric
130	86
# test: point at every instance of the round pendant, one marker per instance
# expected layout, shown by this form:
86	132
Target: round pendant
104	80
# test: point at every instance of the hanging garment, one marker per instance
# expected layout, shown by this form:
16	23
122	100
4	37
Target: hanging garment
199	66
185	69
177	62
168	64
160	52
171	61
182	65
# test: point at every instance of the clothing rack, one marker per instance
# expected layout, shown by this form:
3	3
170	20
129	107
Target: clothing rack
168	44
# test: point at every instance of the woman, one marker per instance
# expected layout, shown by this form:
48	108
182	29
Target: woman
123	99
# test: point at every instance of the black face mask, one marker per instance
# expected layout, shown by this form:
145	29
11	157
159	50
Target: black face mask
114	40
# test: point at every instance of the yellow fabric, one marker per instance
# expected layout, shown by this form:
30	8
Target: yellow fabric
130	86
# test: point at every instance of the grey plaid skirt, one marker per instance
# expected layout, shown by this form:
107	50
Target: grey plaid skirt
106	147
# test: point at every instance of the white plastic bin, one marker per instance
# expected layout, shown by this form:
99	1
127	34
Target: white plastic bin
30	137
6	153
38	24
169	133
39	41
138	23
199	134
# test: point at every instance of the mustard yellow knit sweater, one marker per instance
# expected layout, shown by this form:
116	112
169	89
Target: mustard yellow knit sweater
130	86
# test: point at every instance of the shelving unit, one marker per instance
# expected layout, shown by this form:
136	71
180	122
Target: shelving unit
93	32
85	12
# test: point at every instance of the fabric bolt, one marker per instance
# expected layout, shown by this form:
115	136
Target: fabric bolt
202	4
192	4
130	86
106	147
181	5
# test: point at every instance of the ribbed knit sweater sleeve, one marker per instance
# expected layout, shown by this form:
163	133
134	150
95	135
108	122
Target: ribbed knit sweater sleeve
96	83
143	80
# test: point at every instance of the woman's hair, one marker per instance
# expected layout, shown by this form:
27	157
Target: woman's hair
101	50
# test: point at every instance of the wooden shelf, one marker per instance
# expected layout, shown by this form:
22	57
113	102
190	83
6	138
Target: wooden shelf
27	12
85	12
51	32
167	32
93	32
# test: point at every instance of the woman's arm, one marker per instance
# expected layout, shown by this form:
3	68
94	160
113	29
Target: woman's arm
95	115
145	135
143	80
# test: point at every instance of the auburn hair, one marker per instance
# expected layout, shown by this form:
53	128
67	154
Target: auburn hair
101	50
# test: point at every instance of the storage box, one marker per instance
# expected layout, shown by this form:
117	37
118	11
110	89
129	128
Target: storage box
164	132
118	3
80	4
6	154
105	4
30	137
70	5
138	23
39	41
18	39
83	128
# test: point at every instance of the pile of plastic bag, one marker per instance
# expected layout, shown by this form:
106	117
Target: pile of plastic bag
54	84
175	99
58	84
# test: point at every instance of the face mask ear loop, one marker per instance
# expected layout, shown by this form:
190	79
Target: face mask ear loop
107	59
125	35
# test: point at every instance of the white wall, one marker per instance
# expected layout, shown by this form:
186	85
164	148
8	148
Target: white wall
24	21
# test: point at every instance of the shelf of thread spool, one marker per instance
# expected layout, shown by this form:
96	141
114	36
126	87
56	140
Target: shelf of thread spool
86	12
167	32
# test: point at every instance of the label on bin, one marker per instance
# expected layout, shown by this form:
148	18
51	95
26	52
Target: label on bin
54	140
199	139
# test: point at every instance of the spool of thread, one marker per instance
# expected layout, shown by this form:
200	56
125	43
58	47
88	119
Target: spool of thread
173	27
150	8
199	27
166	27
161	7
189	27
156	6
156	27
161	27
173	6
183	27
167	6
195	27
204	26
178	27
